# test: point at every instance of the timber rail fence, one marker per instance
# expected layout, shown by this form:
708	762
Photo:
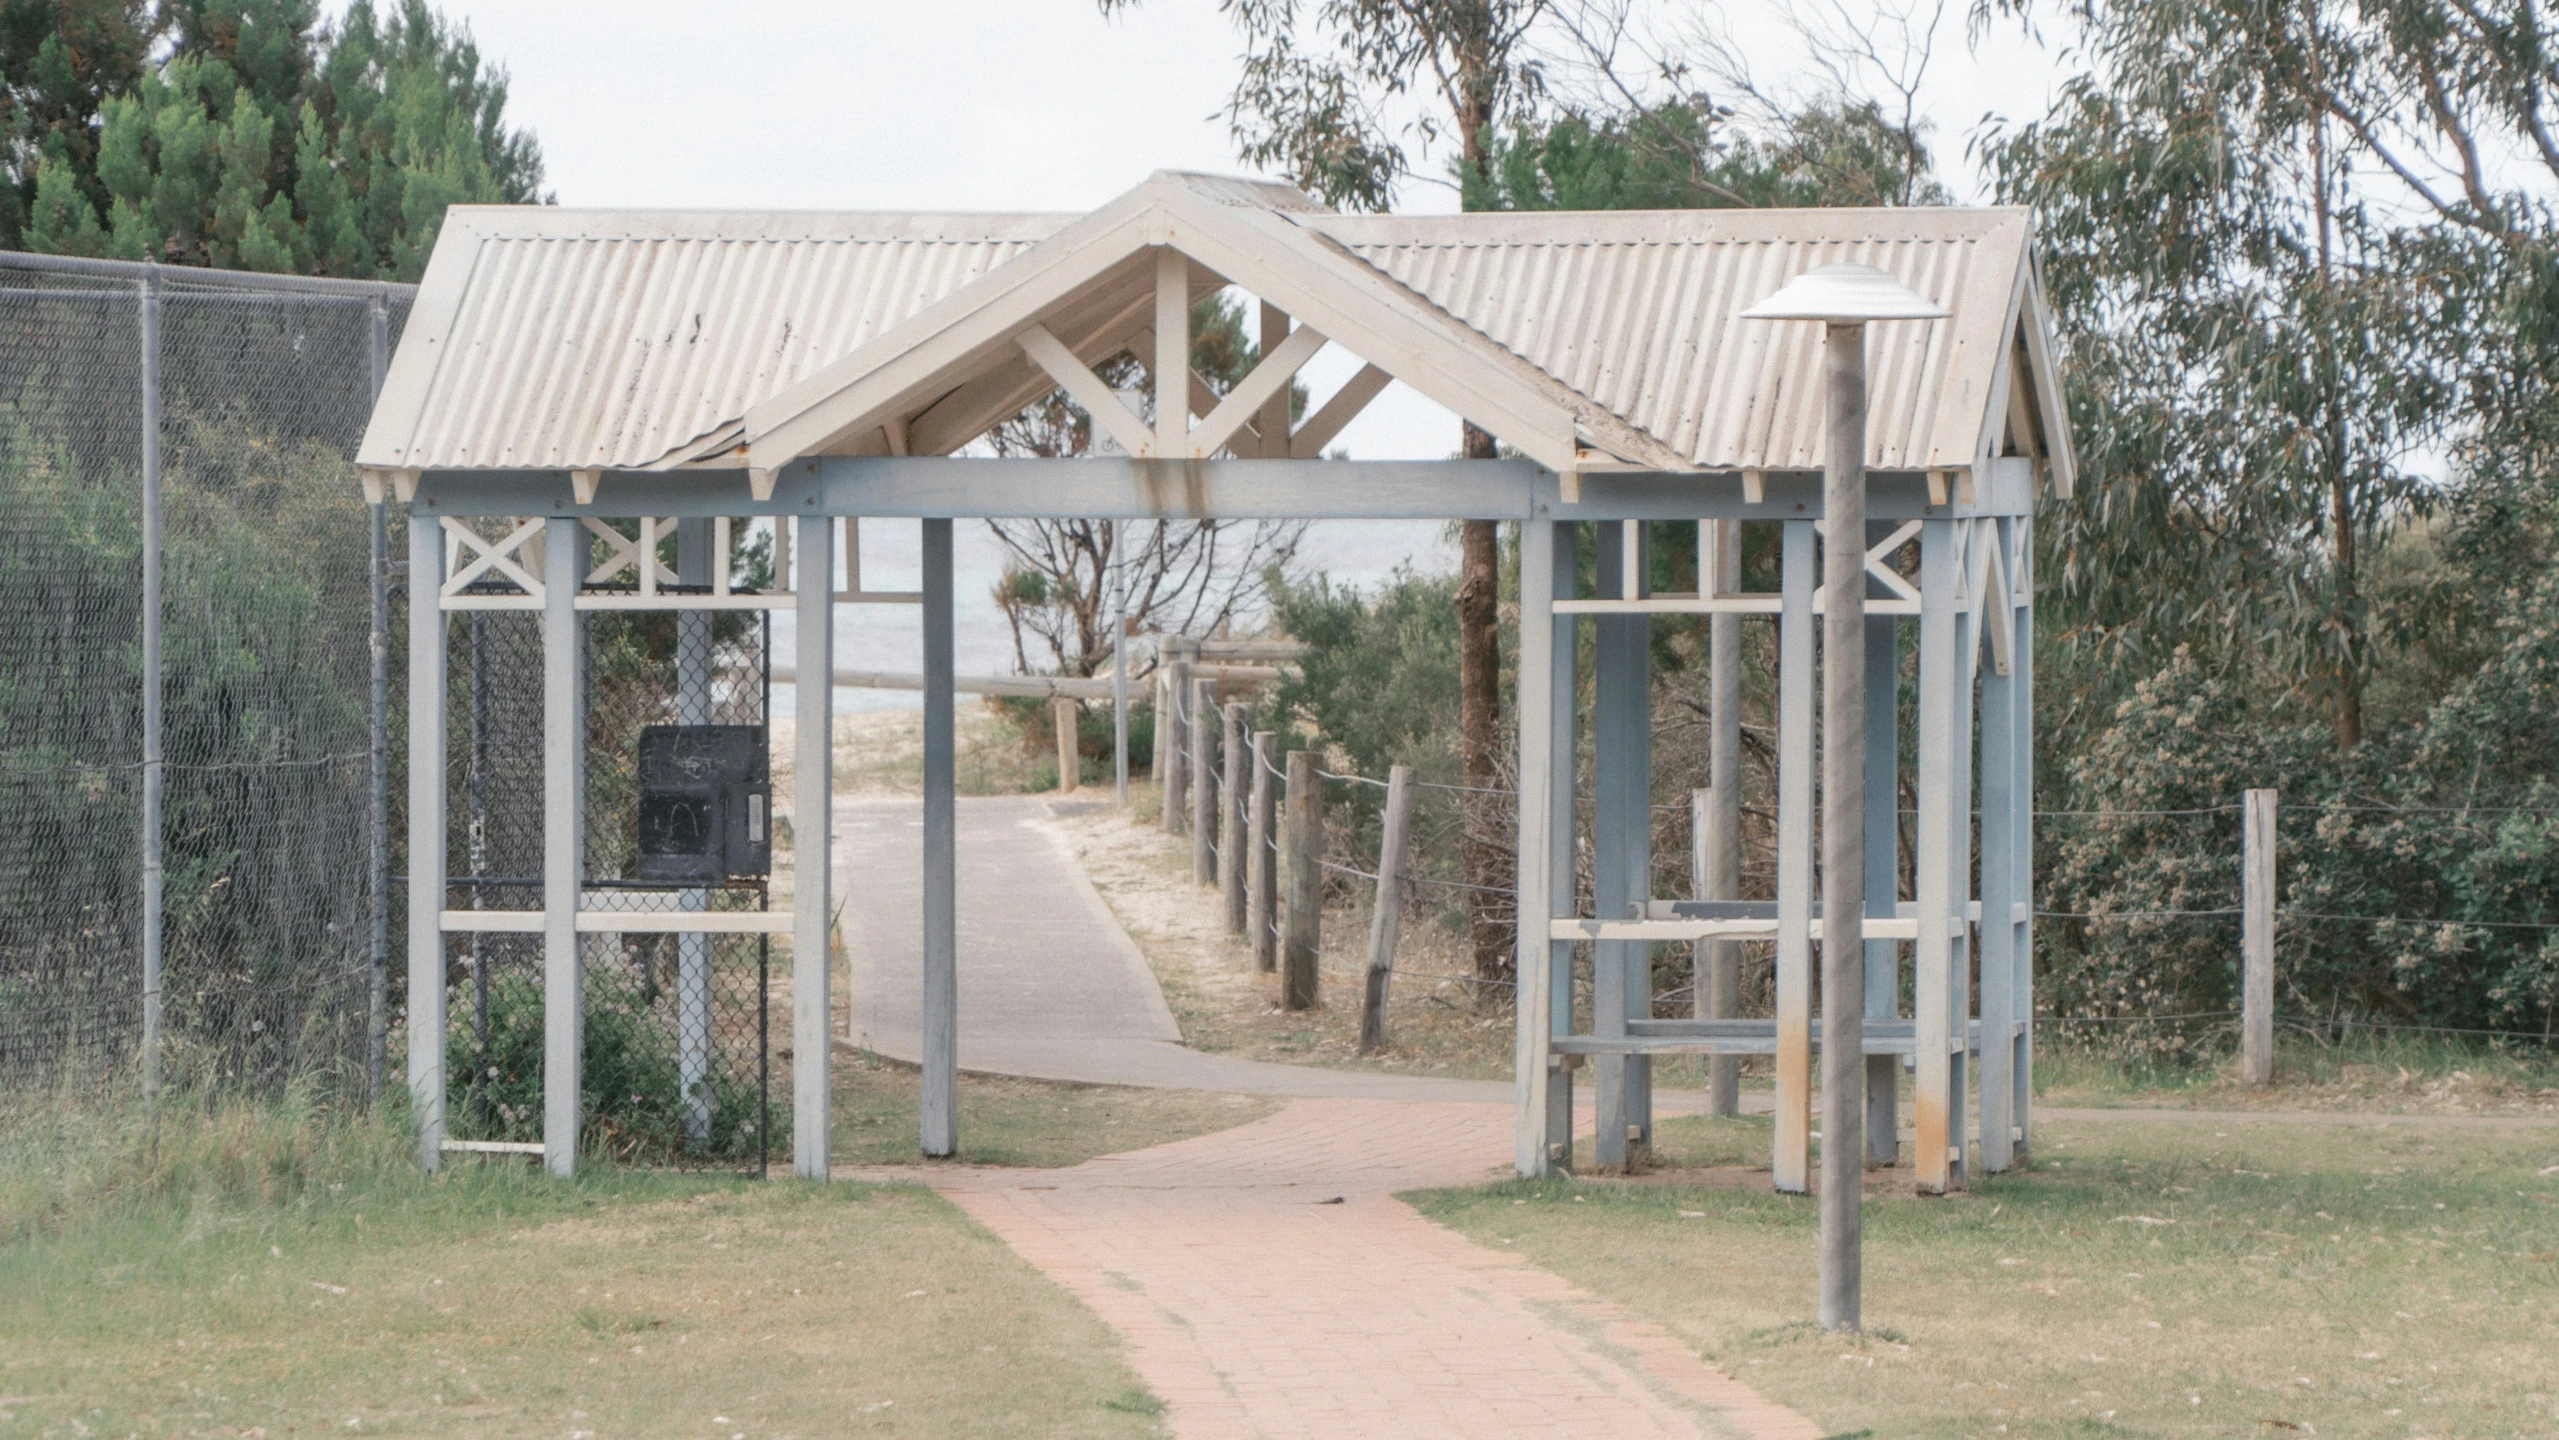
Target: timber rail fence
1282	839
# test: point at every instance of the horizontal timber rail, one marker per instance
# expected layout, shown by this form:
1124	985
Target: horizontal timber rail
1037	687
624	922
1747	1037
1102	488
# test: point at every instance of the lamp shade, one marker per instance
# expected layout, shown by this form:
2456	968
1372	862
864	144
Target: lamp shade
1848	294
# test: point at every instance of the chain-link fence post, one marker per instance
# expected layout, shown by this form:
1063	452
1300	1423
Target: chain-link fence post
377	1021
154	878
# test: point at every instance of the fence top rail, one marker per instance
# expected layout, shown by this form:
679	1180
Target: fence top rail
200	277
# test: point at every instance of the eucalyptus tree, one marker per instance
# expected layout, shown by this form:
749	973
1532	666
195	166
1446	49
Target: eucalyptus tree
1346	98
2249	365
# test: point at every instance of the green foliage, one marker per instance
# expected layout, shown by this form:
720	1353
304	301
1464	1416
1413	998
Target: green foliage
631	1092
266	140
1678	157
264	719
59	60
1379	676
2267	310
2396	827
1035	720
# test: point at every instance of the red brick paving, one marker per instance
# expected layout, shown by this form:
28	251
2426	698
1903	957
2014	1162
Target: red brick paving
1253	1307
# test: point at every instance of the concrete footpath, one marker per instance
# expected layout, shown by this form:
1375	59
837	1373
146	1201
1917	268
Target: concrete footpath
1265	1279
1050	986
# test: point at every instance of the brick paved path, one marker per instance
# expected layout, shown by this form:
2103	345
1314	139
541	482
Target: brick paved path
1268	1284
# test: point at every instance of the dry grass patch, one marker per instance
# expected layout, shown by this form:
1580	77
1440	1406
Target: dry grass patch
1005	1121
881	752
2206	1277
1224	1005
349	1295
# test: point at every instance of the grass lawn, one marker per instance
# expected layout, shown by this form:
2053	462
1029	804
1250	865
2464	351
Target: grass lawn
2222	1276
258	1281
1021	1122
2397	1074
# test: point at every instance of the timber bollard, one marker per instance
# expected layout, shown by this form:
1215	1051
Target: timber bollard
2257	941
1304	944
1169	745
1715	874
1383	918
1062	715
1230	818
1261	862
1204	726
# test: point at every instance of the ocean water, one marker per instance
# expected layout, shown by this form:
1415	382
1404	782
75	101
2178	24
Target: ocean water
1363	553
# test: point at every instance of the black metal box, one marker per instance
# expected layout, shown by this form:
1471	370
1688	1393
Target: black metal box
706	802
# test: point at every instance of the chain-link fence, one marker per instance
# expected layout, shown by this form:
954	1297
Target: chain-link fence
193	736
677	1026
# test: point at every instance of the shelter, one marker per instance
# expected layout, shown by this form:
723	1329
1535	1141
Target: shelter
692	370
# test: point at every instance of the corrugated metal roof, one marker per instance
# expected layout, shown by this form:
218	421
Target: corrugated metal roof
1637	312
548	338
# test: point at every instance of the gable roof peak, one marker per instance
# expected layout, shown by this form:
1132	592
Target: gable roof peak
1243	191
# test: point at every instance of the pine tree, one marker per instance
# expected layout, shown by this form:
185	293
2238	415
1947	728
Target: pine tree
59	59
266	140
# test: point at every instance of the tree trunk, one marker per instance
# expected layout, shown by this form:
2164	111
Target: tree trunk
1479	675
1479	655
2350	679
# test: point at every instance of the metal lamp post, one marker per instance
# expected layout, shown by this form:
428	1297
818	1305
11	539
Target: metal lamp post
1844	298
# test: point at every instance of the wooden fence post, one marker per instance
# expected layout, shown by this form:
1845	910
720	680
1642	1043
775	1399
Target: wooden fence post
1230	817
2257	942
1714	872
1382	922
1168	746
1261	870
1062	715
1305	939
1204	726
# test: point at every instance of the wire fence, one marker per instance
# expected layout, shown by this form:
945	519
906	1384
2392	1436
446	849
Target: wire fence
192	742
2140	940
677	1027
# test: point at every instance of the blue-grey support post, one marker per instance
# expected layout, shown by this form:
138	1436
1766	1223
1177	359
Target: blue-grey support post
1940	849
1791	1163
693	1019
2022	696
2001	894
426	836
1883	873
563	800
941	1108
1719	994
1958	991
1534	1073
1119	669
153	761
1621	845
1563	705
812	845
